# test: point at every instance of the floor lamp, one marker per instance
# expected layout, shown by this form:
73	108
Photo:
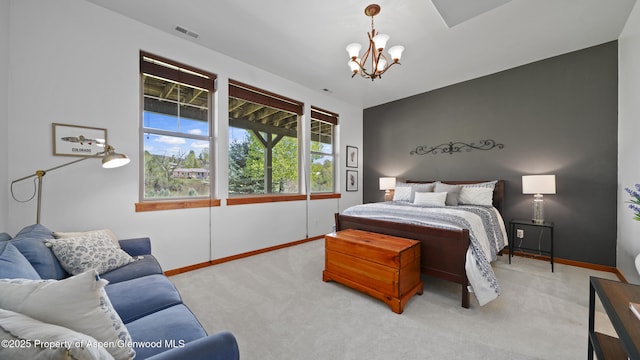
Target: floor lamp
110	160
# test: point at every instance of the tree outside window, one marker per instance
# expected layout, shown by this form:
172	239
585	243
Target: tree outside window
263	144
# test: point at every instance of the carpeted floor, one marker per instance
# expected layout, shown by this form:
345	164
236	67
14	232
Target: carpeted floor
278	307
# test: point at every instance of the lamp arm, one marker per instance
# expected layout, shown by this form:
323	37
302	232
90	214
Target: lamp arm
41	173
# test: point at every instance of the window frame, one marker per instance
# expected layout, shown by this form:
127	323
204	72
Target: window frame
259	96
325	116
190	76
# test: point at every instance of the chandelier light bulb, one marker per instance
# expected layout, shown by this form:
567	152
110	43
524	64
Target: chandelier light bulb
396	52
354	50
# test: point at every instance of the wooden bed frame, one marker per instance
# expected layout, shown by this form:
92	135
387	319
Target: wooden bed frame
443	252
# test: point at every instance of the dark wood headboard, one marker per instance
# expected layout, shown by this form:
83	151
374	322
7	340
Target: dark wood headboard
498	191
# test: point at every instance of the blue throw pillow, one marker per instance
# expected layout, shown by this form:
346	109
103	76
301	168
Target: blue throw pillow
13	265
36	230
31	243
4	237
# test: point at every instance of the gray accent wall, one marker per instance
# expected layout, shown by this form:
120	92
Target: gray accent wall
555	116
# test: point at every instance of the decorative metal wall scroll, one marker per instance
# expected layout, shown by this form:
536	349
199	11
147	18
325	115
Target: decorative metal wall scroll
454	147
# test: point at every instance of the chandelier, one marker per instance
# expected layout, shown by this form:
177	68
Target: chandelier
374	55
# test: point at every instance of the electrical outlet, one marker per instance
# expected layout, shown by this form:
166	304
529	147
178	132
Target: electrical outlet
520	233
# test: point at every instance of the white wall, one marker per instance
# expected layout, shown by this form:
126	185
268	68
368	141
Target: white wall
73	62
628	143
4	112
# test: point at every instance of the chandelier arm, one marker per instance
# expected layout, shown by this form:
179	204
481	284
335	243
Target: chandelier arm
363	62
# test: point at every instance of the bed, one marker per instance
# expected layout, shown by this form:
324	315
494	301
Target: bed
449	252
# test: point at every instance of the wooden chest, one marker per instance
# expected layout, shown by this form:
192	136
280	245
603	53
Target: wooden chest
382	266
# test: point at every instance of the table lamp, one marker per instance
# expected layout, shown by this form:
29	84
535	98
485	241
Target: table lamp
387	184
538	185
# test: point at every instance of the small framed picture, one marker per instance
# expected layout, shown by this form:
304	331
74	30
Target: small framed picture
352	180
74	140
352	156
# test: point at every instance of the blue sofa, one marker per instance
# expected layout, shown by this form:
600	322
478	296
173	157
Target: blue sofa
147	302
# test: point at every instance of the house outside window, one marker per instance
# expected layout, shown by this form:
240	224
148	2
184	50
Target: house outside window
323	124
264	135
175	130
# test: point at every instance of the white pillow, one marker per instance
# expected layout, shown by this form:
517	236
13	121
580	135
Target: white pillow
430	198
476	196
91	251
402	192
406	191
488	184
79	303
107	232
40	340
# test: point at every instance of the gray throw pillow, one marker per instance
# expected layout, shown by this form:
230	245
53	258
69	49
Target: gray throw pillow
453	192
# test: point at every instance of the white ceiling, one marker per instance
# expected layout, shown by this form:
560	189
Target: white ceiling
304	41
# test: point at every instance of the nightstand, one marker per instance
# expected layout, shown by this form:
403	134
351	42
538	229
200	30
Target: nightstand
513	224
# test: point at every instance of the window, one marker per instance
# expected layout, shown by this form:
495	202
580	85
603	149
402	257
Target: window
322	150
263	142
175	130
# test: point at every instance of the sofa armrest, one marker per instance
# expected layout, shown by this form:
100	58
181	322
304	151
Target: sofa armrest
136	247
219	346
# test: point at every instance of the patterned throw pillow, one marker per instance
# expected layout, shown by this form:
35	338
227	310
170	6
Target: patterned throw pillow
91	251
402	192
476	196
478	193
79	303
107	232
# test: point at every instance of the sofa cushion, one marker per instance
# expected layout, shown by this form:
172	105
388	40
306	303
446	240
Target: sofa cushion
91	251
46	341
139	297
141	266
31	243
137	246
79	303
13	265
168	328
4	236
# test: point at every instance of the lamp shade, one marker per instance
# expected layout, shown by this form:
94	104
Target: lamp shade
354	50
380	41
115	160
387	183
112	159
539	184
396	52
353	65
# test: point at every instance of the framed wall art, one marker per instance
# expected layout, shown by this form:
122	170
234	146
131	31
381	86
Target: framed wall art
74	140
352	156
352	180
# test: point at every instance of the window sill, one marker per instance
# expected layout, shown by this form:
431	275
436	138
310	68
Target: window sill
239	200
253	199
176	204
321	196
